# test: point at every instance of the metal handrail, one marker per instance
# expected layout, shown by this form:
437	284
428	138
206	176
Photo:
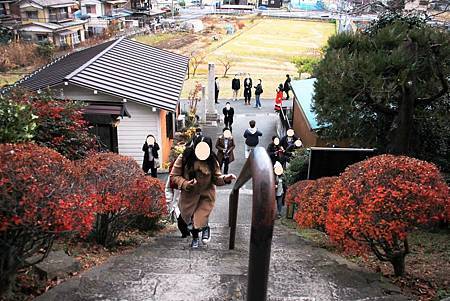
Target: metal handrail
258	167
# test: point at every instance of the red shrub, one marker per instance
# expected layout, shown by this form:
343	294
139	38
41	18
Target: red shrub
313	202
295	190
123	191
41	196
60	124
375	203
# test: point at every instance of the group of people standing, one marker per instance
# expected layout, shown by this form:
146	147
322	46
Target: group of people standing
258	90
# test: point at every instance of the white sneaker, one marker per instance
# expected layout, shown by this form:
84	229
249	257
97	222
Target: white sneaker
206	235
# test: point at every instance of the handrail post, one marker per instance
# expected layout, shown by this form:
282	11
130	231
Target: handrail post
258	167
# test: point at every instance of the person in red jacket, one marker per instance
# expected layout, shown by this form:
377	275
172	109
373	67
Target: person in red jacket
279	98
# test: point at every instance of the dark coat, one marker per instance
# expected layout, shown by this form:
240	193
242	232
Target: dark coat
287	84
258	89
236	84
248	87
284	141
274	152
228	113
146	164
252	137
220	145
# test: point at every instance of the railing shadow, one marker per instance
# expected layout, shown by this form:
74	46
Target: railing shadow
259	168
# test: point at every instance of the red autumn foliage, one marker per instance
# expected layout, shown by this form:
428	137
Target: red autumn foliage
123	192
295	190
377	202
312	203
60	124
41	196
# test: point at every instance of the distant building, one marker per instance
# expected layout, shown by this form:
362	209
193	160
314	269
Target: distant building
417	5
51	20
131	90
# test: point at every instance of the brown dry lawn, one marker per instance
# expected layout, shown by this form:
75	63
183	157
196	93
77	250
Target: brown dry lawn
263	48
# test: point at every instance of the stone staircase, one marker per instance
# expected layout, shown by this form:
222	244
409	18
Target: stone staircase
167	269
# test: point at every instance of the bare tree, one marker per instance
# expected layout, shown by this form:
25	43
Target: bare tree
227	62
195	60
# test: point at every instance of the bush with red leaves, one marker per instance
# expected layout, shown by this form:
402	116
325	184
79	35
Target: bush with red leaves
295	190
377	202
312	203
123	192
59	124
41	196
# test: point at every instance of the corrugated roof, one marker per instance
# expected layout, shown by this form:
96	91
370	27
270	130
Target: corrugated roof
55	72
304	93
123	68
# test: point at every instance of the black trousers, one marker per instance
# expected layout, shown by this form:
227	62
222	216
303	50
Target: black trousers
228	122
225	163
153	170
217	96
247	95
182	227
287	93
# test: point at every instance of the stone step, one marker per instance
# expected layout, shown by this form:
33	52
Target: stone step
168	269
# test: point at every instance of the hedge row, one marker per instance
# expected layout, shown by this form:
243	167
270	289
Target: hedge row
373	205
44	195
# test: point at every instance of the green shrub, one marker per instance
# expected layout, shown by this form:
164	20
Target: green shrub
298	166
17	122
45	49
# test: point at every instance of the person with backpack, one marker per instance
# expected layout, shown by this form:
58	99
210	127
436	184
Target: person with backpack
251	136
258	92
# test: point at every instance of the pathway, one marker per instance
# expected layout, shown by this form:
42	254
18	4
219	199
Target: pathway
167	269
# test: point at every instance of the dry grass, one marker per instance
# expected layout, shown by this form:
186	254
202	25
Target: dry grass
264	48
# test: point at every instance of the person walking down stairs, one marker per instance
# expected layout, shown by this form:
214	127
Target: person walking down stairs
196	172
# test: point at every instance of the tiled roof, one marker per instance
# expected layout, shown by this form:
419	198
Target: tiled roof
53	2
123	68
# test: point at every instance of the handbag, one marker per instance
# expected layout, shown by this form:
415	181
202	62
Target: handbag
157	164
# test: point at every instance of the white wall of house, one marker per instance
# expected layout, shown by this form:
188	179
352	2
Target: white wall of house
79	93
132	131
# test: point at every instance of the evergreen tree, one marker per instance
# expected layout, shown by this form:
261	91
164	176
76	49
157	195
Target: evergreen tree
388	88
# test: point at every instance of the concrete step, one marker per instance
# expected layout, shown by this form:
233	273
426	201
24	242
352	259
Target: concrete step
168	269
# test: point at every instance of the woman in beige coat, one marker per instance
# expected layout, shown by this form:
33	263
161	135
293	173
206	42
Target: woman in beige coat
196	172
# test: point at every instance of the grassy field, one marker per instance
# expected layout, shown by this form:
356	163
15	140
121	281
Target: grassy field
265	50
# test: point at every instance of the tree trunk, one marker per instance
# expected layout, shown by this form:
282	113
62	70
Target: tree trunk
405	123
398	263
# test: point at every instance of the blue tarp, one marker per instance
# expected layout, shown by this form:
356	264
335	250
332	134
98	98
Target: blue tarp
304	92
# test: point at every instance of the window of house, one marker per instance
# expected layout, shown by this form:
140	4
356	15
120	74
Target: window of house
32	14
2	9
41	37
62	41
91	9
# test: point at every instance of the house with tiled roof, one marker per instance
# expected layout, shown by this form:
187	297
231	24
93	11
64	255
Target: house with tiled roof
131	90
51	20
